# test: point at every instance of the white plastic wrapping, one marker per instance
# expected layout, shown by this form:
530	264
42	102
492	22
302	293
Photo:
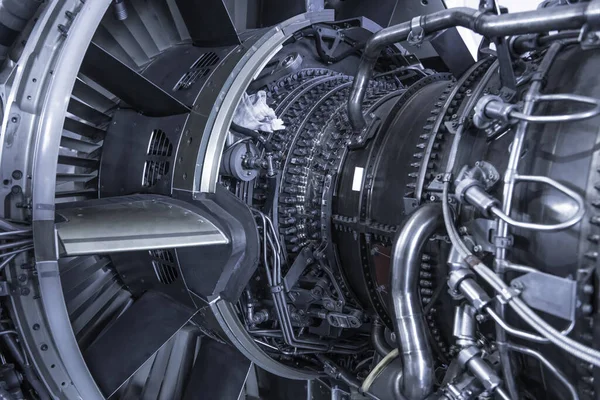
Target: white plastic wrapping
254	113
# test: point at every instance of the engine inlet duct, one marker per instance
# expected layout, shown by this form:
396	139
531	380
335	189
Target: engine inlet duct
195	210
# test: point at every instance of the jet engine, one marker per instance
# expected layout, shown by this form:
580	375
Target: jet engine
191	211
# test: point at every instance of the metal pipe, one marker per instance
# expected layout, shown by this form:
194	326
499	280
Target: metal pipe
507	199
514	331
409	321
555	371
573	16
502	394
19	243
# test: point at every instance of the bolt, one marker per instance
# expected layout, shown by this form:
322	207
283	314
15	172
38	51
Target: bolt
36	327
477	248
44	347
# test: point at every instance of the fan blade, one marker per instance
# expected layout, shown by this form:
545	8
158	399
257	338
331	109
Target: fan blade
87	113
128	85
133	338
208	29
129	223
219	373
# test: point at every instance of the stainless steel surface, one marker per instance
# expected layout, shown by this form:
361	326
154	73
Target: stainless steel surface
465	326
548	293
409	320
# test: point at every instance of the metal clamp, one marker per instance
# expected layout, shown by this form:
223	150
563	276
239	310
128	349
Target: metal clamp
560	118
416	36
545	227
276	288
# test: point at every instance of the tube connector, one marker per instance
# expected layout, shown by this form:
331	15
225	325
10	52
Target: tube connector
462	281
490	109
470	358
464	325
473	183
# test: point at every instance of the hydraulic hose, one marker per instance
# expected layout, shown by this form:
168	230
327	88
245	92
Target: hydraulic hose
409	322
378	339
573	16
252	134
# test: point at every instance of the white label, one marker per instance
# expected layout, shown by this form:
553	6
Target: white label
357	180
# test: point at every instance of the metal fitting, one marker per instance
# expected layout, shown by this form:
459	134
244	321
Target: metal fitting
484	202
467	354
462	281
464	325
457	276
470	358
455	260
120	10
491	108
473	183
474	293
270	168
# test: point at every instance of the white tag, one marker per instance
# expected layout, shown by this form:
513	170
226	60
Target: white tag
357	180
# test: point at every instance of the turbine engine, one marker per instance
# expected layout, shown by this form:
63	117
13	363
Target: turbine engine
185	204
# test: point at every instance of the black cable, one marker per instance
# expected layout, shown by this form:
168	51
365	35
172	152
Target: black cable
253	134
524	43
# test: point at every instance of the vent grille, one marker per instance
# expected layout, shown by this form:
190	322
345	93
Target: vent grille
165	267
154	172
199	69
157	165
159	144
